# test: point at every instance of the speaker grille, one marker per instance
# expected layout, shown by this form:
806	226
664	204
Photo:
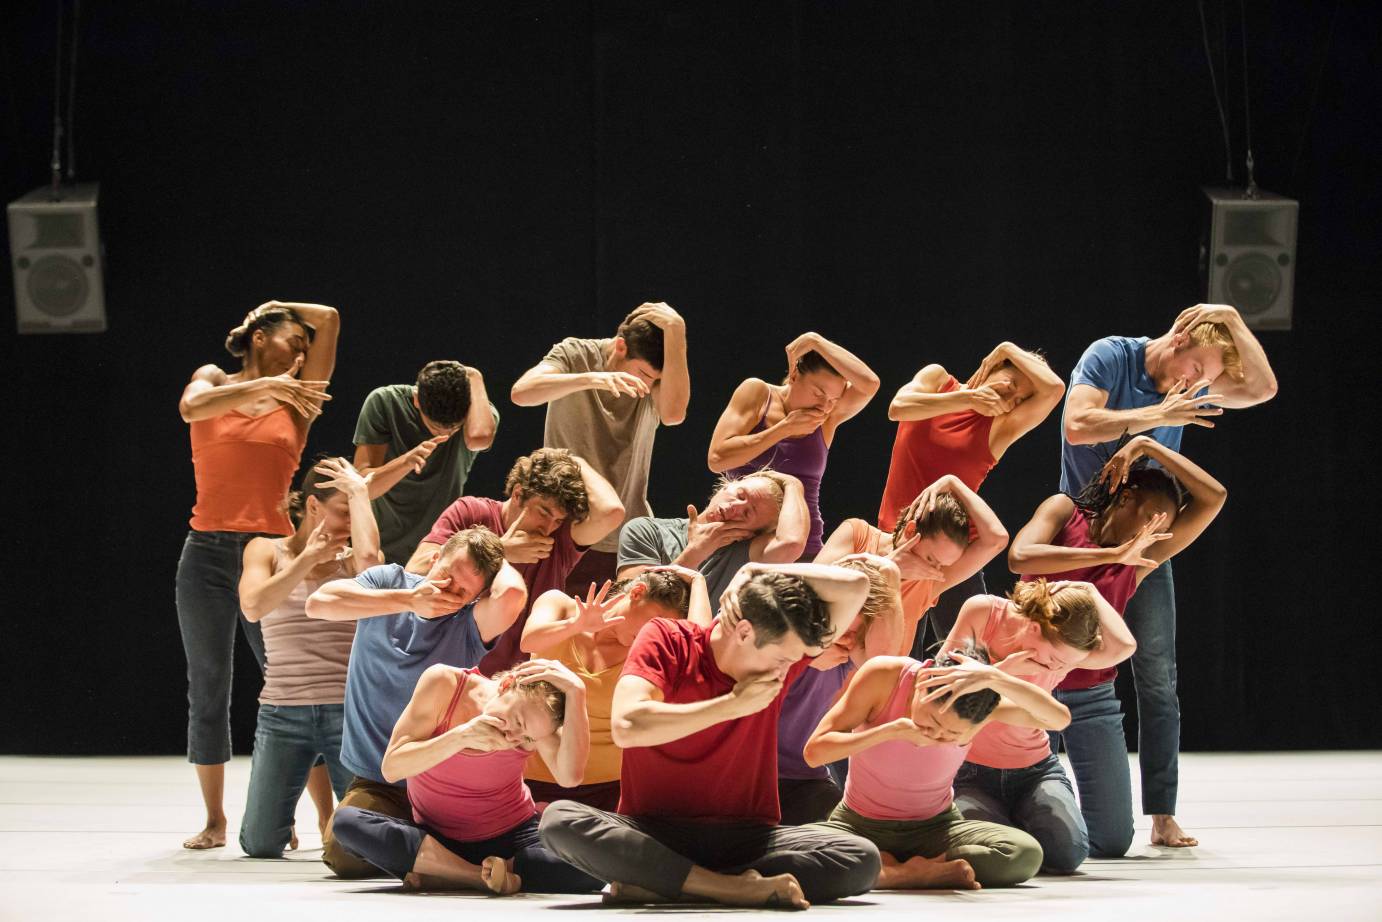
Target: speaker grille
1253	282
58	285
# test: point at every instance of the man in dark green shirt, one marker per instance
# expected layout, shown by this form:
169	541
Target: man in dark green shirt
419	442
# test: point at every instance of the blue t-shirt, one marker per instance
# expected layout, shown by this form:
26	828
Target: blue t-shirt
389	656
1118	365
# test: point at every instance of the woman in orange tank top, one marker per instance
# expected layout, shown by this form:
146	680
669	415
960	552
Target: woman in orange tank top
248	431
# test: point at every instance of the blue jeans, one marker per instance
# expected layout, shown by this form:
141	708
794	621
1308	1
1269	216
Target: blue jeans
1037	799
1151	616
208	603
1099	760
287	742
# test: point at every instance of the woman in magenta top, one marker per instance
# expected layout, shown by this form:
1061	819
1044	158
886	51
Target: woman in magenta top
905	727
462	744
248	429
1010	775
789	427
1130	520
945	427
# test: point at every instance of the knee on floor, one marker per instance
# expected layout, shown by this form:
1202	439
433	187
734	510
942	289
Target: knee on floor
263	843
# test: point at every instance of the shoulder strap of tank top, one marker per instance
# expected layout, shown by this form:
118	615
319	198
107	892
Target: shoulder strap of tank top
455	698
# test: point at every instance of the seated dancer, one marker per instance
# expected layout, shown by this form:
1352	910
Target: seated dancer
1209	360
301	705
461	744
808	793
696	713
419	441
942	539
605	399
592	638
789	427
906	727
761	518
408	622
1010	775
555	506
944	427
1129	522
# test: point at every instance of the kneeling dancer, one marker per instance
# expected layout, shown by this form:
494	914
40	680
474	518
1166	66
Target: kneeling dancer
696	711
462	743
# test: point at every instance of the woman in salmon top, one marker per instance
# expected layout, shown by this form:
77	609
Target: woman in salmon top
945	427
789	427
248	430
1128	522
1010	775
592	638
905	727
462	743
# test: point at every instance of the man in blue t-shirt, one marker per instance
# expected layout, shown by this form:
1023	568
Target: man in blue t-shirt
407	622
1125	386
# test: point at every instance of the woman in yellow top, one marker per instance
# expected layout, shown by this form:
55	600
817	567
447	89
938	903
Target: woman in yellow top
592	637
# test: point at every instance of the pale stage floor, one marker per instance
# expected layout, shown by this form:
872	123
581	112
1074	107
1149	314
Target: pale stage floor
1285	836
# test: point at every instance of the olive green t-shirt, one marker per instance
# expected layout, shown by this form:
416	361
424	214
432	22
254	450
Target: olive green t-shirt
407	512
614	434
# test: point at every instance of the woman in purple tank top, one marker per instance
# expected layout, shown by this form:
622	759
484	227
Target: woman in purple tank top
789	427
462	744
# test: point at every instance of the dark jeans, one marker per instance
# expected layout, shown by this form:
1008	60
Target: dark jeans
1099	760
208	603
657	854
1151	616
288	741
374	797
1037	799
604	794
936	625
807	800
392	844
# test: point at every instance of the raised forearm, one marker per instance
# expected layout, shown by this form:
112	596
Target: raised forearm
738	450
541	636
535	390
573	752
985	521
347	600
416	756
1092	425
210	402
272	592
651	723
674	388
1044	710
1031	365
914	403
1201	485
387	475
834	745
1045	559
364	531
793	521
479	419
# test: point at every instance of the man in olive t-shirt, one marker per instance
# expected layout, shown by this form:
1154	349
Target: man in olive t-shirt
419	442
605	399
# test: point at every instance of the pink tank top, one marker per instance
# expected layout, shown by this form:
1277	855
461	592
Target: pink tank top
472	796
1000	745
897	780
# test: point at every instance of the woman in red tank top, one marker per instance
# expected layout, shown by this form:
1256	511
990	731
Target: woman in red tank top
248	431
945	427
1130	520
462	744
1010	775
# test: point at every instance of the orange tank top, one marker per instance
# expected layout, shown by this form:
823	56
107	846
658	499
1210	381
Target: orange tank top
244	467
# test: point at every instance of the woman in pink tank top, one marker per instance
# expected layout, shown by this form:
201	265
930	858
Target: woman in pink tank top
462	744
1010	775
905	727
301	707
248	429
1130	520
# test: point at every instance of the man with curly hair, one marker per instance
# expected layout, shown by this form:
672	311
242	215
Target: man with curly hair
605	399
419	442
555	507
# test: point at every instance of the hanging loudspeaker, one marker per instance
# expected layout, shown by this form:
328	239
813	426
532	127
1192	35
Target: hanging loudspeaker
1248	255
55	253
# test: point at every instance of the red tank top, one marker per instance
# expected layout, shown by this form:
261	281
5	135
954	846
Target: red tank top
1116	582
244	467
472	796
927	449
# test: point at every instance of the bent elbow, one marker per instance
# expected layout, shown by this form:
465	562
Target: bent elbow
1017	560
811	756
1076	432
316	607
1061	722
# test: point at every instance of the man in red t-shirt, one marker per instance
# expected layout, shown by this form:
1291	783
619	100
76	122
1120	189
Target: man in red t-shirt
556	506
696	711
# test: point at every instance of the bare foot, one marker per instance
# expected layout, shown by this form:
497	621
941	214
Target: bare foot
499	877
627	895
293	839
921	873
1166	831
780	891
213	836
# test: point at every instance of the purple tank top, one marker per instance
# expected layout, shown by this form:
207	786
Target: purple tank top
803	457
806	703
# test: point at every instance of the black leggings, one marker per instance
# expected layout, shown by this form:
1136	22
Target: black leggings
392	844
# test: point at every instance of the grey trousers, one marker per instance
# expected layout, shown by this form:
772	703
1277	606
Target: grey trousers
658	853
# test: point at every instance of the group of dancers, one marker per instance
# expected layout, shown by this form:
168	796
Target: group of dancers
555	690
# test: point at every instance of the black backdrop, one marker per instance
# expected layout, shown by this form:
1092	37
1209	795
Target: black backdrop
918	181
